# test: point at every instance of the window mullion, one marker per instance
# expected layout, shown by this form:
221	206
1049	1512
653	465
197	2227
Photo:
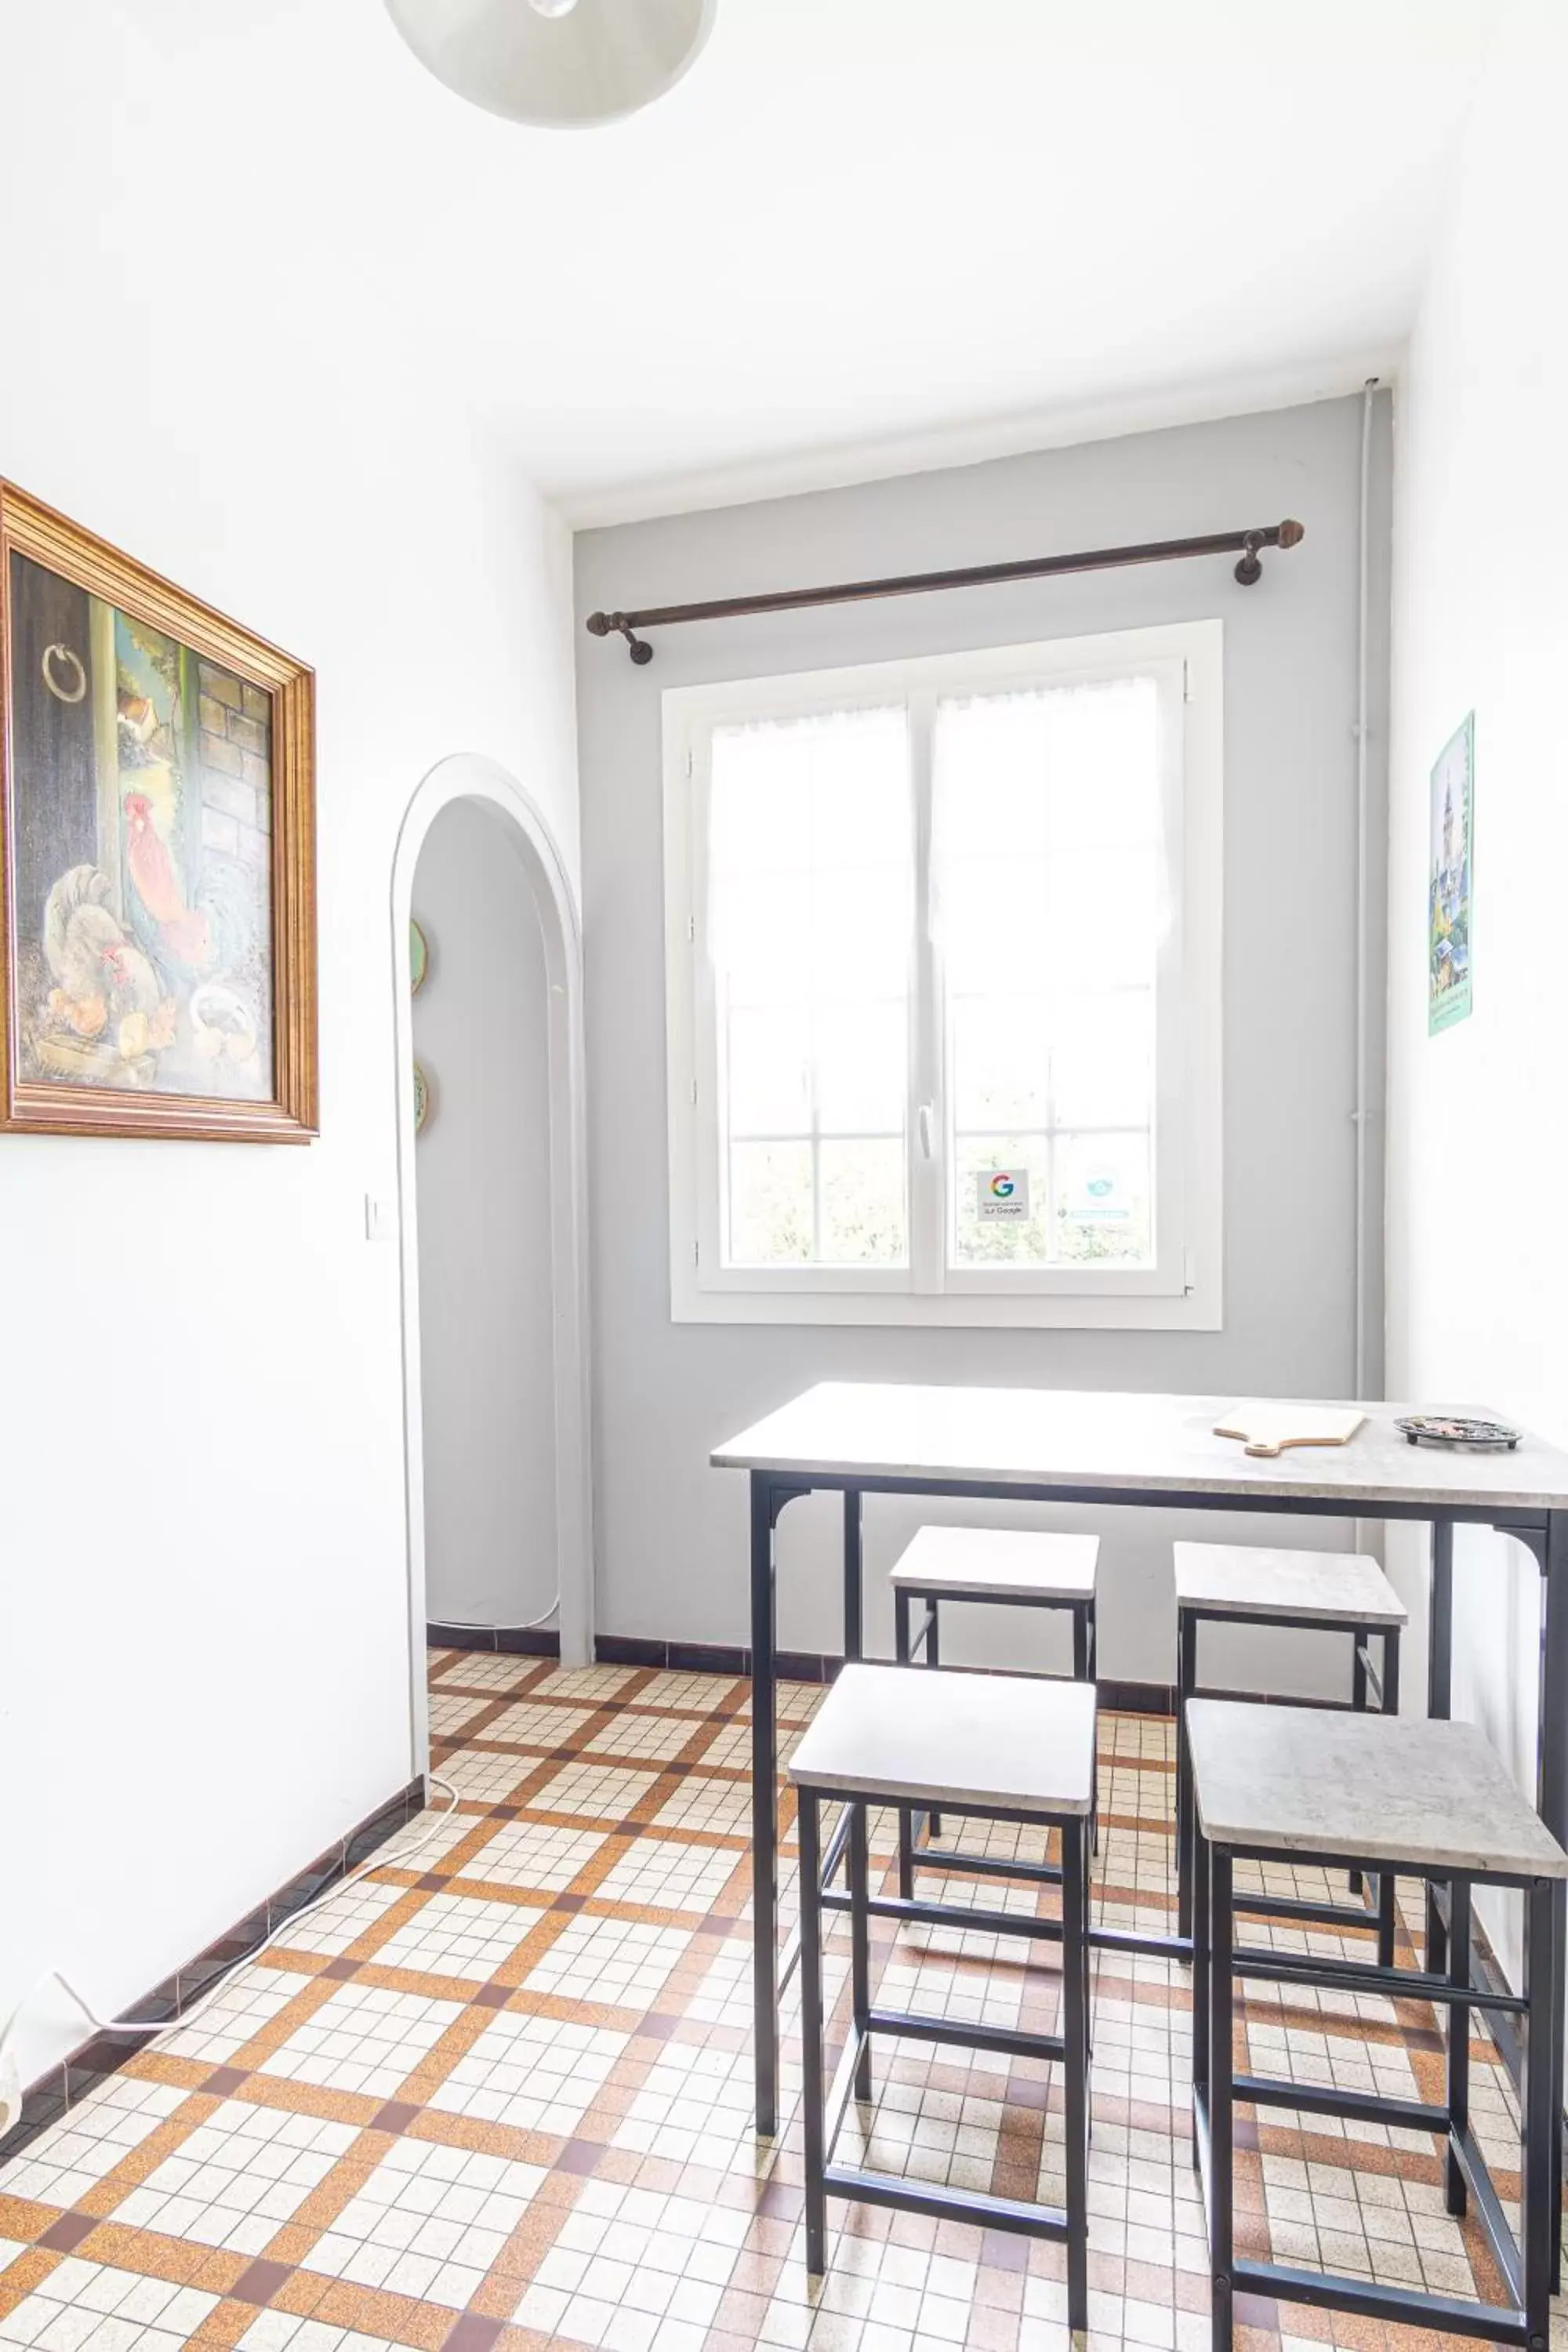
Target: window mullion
927	1121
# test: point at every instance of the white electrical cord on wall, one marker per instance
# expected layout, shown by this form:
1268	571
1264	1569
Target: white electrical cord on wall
1360	1115
472	1624
155	2032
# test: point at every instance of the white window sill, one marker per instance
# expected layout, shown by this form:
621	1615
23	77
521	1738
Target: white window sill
1198	1310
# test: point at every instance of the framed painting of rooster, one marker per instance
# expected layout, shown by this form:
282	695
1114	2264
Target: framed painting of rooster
157	823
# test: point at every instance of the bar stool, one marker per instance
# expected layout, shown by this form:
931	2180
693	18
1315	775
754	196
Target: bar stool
1014	1565
1387	1795
1313	1592
1004	1748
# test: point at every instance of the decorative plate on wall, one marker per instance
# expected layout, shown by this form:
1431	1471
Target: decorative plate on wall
418	958
421	1098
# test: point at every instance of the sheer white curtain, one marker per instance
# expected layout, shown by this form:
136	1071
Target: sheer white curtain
812	909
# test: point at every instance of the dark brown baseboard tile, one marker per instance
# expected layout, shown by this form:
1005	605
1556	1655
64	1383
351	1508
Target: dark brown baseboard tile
719	1658
523	1642
105	2053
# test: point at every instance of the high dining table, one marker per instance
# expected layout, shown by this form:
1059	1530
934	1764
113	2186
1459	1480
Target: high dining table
1160	1453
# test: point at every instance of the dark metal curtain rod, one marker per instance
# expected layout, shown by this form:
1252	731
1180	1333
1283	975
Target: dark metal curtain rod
1245	543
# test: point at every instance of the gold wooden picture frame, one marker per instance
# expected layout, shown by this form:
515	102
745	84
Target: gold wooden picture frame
157	850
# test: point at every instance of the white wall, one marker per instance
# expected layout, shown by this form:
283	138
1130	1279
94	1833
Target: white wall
1478	1250
204	1666
482	1161
672	1531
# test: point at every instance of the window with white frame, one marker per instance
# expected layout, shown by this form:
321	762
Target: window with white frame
943	989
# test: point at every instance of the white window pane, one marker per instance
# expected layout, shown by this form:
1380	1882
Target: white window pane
811	925
769	1071
864	1218
978	1240
992	756
860	812
758	823
861	1059
1104	918
1052	767
831	789
1104	755
1102	1200
998	1061
771	1208
990	923
860	931
1102	1061
760	937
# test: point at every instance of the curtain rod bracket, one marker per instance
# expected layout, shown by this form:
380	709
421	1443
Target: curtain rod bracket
607	625
1247	545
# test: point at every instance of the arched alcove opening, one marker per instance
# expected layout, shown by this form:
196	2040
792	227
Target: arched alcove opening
467	805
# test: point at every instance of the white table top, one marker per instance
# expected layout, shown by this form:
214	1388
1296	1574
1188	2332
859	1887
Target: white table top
1043	1438
1024	1743
1301	1779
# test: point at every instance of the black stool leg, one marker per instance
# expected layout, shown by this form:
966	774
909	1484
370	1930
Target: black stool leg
1543	1932
1084	1644
810	1826
1458	2087
1387	1883
933	1658
1187	1681
1358	1701
1201	2067
861	1944
906	1818
1220	2096
1075	2061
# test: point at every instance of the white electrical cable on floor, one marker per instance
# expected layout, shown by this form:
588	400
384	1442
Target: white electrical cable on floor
378	1860
473	1625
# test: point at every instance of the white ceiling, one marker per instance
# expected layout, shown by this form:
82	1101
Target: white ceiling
862	235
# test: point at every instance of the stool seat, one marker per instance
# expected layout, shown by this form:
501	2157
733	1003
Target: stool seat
997	1564
1329	1587
1003	1743
1432	1795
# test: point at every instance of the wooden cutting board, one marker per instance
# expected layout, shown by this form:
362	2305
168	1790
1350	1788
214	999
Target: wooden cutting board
1265	1429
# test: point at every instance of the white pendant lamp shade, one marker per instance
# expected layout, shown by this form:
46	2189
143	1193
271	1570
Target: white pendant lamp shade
556	62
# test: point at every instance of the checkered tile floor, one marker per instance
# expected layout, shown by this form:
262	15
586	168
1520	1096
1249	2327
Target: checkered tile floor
499	2094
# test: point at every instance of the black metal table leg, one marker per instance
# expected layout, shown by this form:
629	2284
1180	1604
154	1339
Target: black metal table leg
853	1582
1542	2131
1551	1804
1075	2063
1186	1681
859	1860
1221	2070
764	1807
811	2030
1439	1695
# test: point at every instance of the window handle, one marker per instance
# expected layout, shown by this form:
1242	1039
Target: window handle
923	1118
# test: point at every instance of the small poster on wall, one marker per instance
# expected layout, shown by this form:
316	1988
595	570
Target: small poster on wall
1449	978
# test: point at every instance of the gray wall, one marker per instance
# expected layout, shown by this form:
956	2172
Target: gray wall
672	1532
483	1177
